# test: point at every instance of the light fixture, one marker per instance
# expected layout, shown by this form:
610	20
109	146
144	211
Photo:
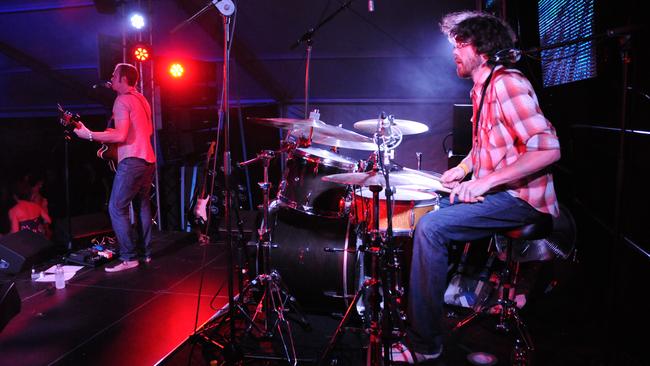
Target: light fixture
137	21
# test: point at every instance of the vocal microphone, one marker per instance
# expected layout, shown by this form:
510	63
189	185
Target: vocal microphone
506	56
371	5
103	84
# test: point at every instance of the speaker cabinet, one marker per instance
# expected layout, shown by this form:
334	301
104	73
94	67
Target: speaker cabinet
9	303
21	249
462	129
461	134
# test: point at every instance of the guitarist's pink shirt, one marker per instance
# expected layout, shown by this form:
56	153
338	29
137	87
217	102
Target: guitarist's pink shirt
133	110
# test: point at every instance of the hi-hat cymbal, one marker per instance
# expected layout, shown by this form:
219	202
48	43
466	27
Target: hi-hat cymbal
405	126
397	178
426	181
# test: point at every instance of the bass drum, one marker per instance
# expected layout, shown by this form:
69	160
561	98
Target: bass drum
315	258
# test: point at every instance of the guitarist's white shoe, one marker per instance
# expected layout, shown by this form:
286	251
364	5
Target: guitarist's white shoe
122	266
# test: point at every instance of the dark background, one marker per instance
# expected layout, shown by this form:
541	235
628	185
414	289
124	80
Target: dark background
392	60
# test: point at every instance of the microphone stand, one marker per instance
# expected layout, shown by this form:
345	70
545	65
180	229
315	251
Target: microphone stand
226	8
307	38
68	219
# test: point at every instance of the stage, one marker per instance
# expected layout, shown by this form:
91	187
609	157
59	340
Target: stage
146	316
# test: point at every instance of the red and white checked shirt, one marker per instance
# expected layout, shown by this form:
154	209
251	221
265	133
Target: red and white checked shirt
511	124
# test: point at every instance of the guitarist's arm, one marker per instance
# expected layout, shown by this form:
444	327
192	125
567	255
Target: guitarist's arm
110	135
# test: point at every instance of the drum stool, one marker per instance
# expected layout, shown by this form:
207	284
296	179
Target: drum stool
509	317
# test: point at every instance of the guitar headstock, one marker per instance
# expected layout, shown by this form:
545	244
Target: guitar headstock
66	118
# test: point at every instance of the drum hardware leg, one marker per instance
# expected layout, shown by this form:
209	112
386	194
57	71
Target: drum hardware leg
381	330
508	315
275	298
341	327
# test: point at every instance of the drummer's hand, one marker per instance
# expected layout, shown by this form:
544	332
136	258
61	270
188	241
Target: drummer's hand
470	191
452	177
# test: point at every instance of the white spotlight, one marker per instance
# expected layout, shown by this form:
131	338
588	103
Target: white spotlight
137	21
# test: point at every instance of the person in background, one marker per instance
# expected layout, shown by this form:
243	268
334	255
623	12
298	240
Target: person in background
28	215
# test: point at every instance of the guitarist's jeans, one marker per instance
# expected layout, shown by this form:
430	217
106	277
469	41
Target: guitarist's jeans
132	183
428	278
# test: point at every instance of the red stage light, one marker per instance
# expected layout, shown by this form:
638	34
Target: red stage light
176	70
141	53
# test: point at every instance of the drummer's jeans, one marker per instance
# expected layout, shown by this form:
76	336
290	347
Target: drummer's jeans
458	222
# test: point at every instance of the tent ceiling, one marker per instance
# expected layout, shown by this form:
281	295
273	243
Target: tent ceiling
393	53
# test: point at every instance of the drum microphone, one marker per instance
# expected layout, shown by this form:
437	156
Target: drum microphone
103	84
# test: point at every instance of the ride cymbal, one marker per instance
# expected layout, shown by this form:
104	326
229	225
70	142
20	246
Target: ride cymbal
405	126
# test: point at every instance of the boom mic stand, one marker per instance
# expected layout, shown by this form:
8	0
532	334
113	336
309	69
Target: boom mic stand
307	38
227	9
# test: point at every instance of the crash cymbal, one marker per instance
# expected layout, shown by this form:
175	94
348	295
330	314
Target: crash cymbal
397	179
336	136
405	126
287	123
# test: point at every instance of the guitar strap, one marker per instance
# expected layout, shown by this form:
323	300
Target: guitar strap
147	111
111	122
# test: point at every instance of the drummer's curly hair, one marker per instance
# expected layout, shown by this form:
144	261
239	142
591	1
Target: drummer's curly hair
486	32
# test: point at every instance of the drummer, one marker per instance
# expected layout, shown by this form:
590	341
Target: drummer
511	185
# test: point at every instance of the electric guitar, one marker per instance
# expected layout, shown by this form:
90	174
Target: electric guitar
199	208
107	152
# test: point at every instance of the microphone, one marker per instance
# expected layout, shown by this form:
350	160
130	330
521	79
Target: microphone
506	56
371	5
103	84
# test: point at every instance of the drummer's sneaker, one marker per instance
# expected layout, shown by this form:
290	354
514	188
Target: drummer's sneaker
124	265
401	354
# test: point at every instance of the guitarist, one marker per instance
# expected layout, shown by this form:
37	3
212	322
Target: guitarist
135	155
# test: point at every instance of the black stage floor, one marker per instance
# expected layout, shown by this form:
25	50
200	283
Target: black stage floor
145	316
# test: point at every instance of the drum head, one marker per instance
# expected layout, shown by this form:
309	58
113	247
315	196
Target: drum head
400	194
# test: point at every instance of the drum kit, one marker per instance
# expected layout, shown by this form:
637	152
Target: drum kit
337	233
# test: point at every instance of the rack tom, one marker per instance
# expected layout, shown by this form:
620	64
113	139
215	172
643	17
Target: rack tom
302	187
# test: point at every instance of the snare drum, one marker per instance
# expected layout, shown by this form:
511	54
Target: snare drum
408	207
302	187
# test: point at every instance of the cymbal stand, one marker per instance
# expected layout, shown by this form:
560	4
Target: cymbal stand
382	276
275	296
390	264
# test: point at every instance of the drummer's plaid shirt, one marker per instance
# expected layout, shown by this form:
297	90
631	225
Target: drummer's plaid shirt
512	123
